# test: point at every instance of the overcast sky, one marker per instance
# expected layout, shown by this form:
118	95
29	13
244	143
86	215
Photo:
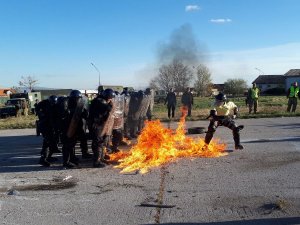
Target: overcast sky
57	40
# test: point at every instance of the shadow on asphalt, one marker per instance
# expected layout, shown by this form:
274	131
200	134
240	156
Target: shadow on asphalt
274	140
22	154
269	221
281	126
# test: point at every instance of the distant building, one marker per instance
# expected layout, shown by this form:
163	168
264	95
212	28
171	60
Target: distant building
5	92
291	76
266	82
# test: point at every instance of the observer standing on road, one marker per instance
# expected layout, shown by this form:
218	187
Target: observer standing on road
253	94
292	95
171	103
187	101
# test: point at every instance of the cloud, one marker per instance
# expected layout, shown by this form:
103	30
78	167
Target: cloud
220	20
190	8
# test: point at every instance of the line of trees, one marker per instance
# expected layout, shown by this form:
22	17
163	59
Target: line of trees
179	76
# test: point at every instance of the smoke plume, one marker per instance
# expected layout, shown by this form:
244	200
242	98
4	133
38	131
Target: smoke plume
182	46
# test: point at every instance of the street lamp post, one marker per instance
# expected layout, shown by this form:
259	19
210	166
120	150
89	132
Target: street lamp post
97	71
262	72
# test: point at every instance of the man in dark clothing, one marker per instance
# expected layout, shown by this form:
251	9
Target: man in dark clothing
187	101
100	124
47	120
171	103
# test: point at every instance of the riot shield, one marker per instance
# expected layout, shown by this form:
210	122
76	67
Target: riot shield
76	118
118	113
126	105
144	106
107	127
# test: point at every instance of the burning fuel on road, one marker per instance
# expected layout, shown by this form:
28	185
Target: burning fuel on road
158	145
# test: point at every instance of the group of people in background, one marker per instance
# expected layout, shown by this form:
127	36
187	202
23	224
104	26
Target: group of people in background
293	94
187	101
252	97
109	117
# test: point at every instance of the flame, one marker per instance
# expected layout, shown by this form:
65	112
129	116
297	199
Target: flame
158	145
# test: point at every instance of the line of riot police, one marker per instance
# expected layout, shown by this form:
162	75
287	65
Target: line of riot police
110	117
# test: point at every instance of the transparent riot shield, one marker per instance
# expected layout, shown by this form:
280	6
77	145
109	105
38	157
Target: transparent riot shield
118	114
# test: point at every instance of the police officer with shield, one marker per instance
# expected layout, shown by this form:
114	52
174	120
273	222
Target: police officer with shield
72	128
46	113
101	124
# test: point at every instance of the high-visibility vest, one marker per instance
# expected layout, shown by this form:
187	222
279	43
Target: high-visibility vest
224	109
254	93
294	91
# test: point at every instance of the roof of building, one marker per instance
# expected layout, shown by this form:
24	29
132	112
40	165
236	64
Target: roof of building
3	91
270	79
293	72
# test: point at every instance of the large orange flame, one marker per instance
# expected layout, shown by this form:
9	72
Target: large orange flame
158	145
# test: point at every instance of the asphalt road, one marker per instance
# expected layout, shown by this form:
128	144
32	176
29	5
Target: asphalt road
259	185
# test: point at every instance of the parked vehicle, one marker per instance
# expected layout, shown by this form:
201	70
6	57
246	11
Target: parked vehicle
160	96
10	107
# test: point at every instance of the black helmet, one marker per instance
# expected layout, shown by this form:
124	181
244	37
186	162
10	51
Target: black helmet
75	94
140	93
221	97
52	99
108	94
148	91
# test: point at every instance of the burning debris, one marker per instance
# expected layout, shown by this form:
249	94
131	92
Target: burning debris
158	145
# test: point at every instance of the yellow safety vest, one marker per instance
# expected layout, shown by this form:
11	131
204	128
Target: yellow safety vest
225	109
254	93
294	91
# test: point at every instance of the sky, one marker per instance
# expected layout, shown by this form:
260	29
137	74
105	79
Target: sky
71	43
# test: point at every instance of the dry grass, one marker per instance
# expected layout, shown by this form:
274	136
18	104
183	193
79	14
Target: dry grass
18	122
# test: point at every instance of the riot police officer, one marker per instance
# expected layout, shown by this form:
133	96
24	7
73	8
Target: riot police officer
100	124
133	113
72	127
47	126
126	95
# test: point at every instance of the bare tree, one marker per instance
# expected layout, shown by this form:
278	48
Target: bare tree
235	87
154	84
28	82
15	89
182	75
165	78
175	75
203	82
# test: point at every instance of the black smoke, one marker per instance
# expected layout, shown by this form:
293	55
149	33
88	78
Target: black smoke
181	46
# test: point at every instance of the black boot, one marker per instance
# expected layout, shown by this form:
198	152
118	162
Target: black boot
68	165
236	138
43	161
86	155
98	163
